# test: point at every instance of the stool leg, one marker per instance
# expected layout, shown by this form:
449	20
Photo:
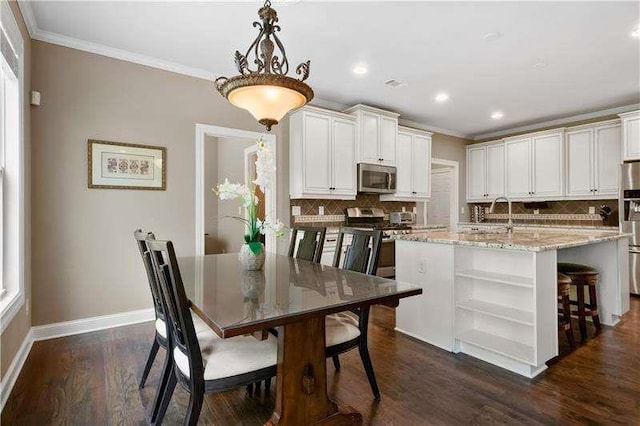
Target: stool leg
593	301
582	321
566	311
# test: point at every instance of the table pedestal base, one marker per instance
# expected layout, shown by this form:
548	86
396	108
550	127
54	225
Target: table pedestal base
301	386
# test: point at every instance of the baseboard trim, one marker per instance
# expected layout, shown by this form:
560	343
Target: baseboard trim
86	325
10	377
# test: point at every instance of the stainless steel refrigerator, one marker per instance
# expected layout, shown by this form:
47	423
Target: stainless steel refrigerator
629	212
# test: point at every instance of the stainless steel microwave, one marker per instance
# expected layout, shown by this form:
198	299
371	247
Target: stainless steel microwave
376	179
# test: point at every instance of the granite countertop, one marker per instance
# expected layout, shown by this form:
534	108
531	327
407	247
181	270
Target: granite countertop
539	225
522	240
420	227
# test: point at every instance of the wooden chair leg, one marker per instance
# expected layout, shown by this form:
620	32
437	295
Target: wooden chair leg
566	315
267	385
593	301
152	356
166	398
167	371
368	368
582	320
336	362
249	389
195	406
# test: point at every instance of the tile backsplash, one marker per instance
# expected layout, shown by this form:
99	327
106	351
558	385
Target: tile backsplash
574	212
337	207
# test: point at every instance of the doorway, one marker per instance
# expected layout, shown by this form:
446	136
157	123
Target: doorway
442	209
227	153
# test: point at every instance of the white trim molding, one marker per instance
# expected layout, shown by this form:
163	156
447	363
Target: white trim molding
87	325
454	207
12	373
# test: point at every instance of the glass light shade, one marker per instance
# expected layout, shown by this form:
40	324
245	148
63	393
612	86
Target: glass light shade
267	102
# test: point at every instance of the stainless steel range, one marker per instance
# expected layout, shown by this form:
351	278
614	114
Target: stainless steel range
374	218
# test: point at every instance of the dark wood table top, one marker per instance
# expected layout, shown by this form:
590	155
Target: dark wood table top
235	302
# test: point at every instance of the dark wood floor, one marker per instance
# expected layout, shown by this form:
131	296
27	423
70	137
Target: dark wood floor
91	380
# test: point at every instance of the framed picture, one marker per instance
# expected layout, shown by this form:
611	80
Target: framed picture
115	165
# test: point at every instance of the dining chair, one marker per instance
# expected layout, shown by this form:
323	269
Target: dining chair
310	246
202	362
343	331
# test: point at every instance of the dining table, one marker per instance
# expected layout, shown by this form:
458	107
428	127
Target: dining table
293	297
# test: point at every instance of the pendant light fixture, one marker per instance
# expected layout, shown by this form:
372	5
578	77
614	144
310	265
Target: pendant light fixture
266	91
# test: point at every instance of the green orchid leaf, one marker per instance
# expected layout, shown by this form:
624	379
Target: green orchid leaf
255	247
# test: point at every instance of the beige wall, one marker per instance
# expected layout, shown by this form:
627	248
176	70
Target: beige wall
87	264
17	329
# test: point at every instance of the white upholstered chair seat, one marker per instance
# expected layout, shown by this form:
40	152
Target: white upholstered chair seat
198	324
340	328
230	357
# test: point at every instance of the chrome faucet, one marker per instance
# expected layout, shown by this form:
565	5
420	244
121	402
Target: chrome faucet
510	222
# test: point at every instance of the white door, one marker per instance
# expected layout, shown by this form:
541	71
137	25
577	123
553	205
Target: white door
476	173
608	140
547	165
421	166
369	138
439	208
495	171
388	134
343	157
317	149
518	168
580	163
631	134
404	170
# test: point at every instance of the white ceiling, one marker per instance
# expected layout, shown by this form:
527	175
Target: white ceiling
592	63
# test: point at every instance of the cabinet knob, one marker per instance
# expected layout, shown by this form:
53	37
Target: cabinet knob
595	190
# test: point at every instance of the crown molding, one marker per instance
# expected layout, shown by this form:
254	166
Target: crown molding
557	122
432	129
28	17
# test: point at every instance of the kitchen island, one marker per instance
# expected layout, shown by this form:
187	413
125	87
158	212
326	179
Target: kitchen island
493	295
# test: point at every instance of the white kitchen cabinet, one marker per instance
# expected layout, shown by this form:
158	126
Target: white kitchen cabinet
413	178
631	135
322	155
534	166
593	159
485	171
377	136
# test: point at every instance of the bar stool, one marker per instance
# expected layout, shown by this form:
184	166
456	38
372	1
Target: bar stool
564	283
583	276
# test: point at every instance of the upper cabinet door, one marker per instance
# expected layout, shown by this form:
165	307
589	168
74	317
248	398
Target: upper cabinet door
495	171
548	166
422	166
631	135
316	156
476	173
343	157
388	133
580	163
608	140
518	168
404	175
369	137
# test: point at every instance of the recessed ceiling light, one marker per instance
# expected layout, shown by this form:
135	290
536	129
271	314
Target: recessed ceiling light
360	70
540	64
497	115
491	36
636	33
441	97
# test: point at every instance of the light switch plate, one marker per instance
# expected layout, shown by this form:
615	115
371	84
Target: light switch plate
295	211
536	211
321	210
592	210
415	210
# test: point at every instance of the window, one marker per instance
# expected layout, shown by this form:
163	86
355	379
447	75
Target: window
11	167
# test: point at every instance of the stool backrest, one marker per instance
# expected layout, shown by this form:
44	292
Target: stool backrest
176	303
141	239
362	253
310	246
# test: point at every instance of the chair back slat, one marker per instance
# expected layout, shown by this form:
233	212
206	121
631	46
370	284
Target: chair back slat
310	246
362	253
141	239
176	303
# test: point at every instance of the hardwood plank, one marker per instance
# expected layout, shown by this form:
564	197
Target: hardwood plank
92	379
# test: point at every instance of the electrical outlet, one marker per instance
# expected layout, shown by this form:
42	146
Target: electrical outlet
321	210
422	266
536	211
415	210
404	209
461	209
240	211
295	211
592	210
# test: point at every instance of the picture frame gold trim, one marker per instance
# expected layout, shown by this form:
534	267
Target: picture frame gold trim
90	183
